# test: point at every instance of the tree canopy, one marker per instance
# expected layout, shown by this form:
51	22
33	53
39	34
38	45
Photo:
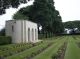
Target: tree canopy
4	4
2	32
72	24
43	12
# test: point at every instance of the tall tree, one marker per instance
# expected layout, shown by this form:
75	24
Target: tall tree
43	12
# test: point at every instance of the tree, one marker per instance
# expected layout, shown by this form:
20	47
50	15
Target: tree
21	14
69	24
43	12
58	26
4	4
72	25
2	32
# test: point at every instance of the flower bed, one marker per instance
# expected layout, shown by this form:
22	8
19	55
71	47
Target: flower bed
9	50
61	52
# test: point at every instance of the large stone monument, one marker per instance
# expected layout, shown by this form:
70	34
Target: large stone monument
22	31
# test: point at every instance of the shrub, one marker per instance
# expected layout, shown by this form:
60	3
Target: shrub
5	40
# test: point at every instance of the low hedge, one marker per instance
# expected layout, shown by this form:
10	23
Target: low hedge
5	40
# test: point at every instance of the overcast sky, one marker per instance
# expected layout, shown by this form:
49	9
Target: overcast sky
69	11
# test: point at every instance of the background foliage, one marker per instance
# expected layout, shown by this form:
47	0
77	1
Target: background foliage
5	40
43	13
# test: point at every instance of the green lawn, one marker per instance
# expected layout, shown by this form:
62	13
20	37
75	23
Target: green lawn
21	51
47	54
72	51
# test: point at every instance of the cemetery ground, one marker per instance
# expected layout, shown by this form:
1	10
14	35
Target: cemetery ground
60	47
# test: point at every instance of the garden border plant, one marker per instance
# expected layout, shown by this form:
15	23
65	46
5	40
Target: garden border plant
30	52
6	51
39	51
61	52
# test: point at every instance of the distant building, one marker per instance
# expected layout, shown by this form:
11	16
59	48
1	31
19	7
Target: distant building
22	31
66	31
71	31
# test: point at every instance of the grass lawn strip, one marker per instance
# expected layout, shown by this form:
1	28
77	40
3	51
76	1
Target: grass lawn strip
47	54
8	50
72	51
26	53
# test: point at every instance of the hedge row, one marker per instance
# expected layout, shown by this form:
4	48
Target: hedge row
5	40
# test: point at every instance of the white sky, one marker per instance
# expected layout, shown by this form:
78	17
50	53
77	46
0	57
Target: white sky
69	11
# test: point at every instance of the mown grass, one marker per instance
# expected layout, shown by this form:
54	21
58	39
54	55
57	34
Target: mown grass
72	51
47	54
8	50
28	52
